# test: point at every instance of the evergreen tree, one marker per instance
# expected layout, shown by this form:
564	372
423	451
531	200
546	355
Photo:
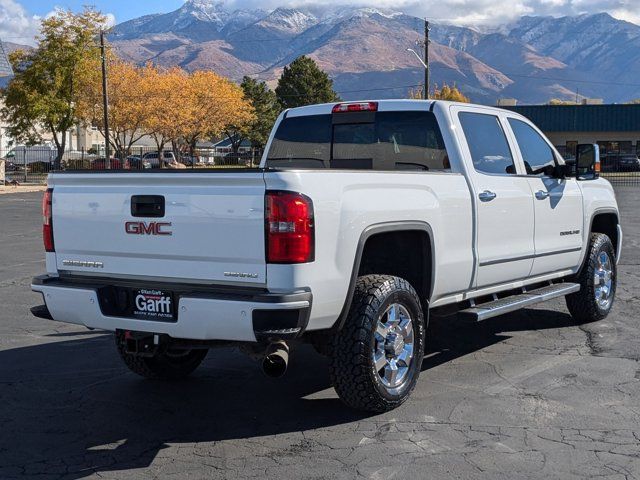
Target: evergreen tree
265	104
303	83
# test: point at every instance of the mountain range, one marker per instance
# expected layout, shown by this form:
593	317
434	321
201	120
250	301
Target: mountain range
364	50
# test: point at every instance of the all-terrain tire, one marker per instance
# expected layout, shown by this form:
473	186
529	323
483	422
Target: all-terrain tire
166	365
583	304
352	368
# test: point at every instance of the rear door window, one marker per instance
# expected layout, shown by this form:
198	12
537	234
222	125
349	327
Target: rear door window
400	140
301	142
487	143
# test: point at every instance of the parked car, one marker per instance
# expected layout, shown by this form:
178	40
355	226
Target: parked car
151	159
135	162
628	163
23	155
100	163
363	219
625	162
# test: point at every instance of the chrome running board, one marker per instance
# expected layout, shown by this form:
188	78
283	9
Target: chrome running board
525	299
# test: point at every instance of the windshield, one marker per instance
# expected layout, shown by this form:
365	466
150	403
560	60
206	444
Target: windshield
400	140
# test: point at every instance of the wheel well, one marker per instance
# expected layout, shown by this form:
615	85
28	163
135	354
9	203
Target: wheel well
606	223
406	254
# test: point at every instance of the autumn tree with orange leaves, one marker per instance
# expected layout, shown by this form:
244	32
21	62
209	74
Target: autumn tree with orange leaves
165	119
452	94
127	92
211	103
172	106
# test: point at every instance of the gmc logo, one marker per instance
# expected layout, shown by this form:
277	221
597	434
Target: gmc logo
147	228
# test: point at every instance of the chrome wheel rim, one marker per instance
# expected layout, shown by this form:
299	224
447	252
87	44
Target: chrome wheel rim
393	346
603	280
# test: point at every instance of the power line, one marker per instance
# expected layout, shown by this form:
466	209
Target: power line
118	97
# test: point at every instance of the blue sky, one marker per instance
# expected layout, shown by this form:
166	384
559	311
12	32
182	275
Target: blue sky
121	9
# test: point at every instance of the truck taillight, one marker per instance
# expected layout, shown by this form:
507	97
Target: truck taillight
289	229
47	220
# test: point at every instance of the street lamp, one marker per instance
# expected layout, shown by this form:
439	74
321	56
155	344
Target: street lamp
418	57
425	62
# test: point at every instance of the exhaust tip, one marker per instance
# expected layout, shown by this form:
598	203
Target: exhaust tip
276	360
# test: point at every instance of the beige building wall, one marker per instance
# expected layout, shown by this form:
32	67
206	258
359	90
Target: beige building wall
85	138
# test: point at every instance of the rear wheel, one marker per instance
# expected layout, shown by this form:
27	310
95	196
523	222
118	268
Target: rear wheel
170	364
377	356
597	282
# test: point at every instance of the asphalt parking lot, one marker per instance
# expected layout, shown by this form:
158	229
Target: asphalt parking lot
526	395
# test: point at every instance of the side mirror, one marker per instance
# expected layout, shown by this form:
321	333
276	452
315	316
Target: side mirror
587	165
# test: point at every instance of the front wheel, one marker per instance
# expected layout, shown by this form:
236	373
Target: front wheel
597	282
377	356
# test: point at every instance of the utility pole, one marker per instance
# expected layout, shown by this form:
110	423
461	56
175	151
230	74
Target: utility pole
105	101
426	59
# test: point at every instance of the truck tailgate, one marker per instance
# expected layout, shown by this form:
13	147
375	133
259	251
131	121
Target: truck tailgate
212	230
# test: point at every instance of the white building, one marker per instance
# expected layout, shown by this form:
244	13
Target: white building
5	72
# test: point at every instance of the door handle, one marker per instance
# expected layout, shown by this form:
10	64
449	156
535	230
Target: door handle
486	196
147	206
541	194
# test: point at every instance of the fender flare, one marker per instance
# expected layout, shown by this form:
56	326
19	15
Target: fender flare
594	214
376	229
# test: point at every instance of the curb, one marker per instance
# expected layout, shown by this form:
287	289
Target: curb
22	189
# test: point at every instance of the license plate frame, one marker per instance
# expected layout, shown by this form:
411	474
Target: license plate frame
149	303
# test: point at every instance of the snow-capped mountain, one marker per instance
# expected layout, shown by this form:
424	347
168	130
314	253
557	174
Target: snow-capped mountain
364	50
289	20
204	11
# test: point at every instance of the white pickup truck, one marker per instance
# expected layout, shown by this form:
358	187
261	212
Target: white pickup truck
361	220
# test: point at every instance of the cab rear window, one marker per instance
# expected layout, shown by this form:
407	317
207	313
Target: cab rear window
400	140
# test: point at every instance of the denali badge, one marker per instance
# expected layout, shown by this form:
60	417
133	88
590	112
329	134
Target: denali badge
82	263
569	232
240	275
147	228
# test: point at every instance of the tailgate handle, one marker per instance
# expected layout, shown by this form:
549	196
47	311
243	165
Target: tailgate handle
147	206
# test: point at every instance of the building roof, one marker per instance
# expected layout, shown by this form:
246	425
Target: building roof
5	66
582	118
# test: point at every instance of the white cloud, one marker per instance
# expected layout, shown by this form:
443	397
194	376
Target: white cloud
470	12
16	25
630	14
111	20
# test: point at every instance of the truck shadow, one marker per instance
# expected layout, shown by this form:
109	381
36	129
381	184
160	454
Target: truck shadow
451	337
69	408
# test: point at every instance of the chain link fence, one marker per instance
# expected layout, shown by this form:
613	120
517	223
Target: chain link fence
621	169
32	164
